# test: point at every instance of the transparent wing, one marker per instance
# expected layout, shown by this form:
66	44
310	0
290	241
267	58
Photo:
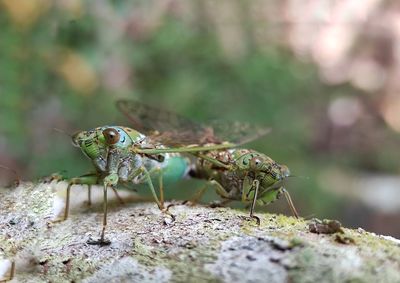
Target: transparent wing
161	125
172	129
237	132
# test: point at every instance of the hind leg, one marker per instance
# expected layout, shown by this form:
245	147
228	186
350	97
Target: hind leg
89	179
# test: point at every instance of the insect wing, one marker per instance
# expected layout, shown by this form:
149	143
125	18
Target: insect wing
238	133
172	129
162	125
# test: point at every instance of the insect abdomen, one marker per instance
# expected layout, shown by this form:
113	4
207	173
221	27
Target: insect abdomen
176	168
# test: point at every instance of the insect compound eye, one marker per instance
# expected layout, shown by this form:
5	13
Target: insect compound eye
111	135
255	163
285	171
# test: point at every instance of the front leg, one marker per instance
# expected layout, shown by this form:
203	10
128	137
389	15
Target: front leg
109	181
255	185
250	189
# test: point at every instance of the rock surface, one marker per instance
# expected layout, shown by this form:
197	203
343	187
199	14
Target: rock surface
202	245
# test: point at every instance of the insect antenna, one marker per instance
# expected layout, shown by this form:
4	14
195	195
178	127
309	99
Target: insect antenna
298	176
290	203
62	132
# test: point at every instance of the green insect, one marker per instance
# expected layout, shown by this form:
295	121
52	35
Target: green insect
245	175
237	174
121	155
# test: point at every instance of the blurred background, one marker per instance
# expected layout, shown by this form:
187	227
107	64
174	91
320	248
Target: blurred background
324	75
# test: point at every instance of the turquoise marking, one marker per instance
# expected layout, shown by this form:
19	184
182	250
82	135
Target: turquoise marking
124	140
175	169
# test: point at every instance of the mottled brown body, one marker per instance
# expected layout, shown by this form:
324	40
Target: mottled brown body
240	170
231	180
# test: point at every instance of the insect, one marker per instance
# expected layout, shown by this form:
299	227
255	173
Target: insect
245	175
121	155
237	174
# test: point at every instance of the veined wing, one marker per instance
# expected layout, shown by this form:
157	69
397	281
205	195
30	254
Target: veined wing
172	129
161	125
237	132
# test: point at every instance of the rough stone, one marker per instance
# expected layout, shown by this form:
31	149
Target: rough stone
202	245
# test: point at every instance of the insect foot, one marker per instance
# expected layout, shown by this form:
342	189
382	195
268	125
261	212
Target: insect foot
109	181
252	218
58	177
99	242
170	218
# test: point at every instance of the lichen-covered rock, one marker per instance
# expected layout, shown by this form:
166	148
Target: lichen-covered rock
202	245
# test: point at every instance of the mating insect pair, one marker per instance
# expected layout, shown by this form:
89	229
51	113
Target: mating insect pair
123	155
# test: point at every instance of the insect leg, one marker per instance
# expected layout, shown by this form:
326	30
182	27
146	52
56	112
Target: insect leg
290	202
250	189
247	186
256	185
105	208
191	149
161	187
109	181
197	196
213	161
271	195
89	179
150	184
89	201
121	201
220	189
222	192
154	172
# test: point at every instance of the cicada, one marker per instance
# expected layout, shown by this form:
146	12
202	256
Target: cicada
236	173
122	155
244	174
